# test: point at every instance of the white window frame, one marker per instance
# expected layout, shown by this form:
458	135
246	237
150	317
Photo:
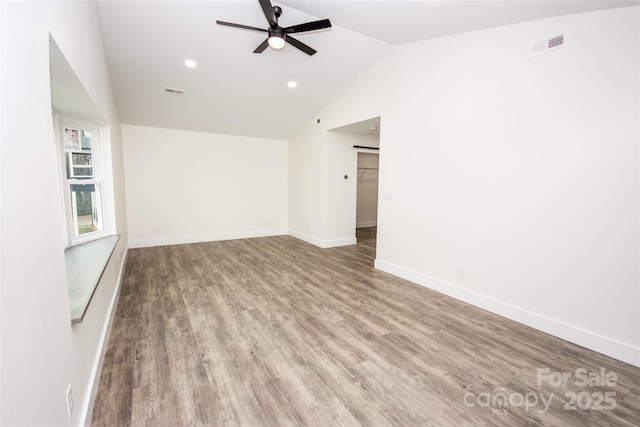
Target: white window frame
69	158
61	122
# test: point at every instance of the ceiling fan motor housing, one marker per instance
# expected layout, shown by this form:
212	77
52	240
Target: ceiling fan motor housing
276	32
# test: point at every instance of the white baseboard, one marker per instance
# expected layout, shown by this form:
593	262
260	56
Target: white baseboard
87	410
167	241
324	244
364	224
591	340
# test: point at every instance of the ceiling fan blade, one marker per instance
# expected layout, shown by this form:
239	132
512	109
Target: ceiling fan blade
246	27
298	44
262	46
308	26
269	13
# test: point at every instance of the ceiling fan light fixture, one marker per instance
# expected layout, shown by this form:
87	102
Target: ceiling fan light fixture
276	38
276	43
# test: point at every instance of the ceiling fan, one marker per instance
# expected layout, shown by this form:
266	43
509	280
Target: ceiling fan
278	36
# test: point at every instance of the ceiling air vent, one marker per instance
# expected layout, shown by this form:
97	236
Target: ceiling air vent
172	90
546	45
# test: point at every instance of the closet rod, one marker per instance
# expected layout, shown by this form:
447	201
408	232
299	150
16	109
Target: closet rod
368	148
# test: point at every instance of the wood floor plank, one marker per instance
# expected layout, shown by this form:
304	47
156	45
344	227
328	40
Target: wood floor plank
276	332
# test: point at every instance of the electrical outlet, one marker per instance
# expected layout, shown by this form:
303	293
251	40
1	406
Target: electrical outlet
69	401
462	270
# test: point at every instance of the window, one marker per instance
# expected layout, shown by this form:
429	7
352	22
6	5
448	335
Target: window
82	180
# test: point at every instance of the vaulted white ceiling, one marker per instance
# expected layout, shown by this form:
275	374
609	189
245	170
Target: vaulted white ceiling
234	91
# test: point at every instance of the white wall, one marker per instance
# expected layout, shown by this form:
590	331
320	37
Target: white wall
525	171
41	352
307	164
185	187
340	193
367	193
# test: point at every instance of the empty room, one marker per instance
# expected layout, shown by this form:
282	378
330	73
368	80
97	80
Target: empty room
279	213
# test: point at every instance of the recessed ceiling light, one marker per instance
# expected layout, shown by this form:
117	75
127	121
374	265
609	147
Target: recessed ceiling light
190	63
292	84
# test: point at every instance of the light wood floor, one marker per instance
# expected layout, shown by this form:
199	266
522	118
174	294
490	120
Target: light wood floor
276	332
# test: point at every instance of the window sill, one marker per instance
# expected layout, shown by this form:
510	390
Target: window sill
85	264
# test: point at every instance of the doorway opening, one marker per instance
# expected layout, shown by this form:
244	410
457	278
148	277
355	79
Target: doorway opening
367	199
356	149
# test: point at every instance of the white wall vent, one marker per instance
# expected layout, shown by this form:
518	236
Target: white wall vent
546	45
172	90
